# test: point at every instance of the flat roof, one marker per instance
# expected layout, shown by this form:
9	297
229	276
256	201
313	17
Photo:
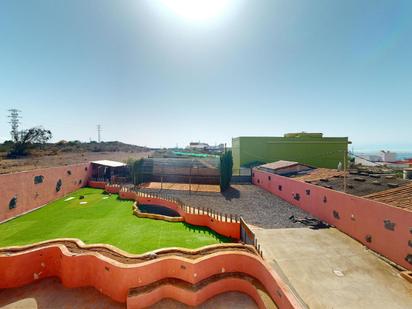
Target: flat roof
280	164
328	269
109	163
320	173
400	197
385	188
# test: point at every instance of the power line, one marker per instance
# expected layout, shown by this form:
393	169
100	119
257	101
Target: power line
99	130
14	121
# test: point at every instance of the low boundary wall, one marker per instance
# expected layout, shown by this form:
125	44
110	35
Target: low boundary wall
23	265
36	188
380	227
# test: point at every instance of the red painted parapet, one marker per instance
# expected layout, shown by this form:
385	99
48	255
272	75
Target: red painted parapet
114	278
112	188
97	184
108	187
380	227
36	188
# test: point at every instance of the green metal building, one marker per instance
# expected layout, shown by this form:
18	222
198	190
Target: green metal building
308	148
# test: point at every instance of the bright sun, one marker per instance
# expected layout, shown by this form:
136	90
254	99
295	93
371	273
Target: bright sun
198	9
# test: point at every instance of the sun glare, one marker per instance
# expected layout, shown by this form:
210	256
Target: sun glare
198	9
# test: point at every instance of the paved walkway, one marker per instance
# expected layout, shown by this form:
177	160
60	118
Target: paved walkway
328	269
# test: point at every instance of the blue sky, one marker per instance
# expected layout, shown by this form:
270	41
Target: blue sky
153	77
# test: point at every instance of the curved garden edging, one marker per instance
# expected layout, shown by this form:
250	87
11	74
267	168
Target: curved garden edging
77	246
226	225
138	213
198	293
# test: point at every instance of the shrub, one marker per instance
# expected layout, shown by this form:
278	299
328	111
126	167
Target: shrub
226	169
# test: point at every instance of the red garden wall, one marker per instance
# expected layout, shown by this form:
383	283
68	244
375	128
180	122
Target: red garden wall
114	279
228	229
97	184
30	195
193	299
380	227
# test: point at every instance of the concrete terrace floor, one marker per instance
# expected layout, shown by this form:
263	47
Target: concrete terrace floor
328	269
325	268
50	293
257	206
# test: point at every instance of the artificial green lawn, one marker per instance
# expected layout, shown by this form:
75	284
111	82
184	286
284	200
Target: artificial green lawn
104	219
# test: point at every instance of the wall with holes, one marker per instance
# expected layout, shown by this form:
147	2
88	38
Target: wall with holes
380	227
114	279
25	191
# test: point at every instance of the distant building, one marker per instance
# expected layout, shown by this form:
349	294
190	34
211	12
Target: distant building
371	157
388	156
217	148
368	161
285	168
108	170
198	146
206	147
308	148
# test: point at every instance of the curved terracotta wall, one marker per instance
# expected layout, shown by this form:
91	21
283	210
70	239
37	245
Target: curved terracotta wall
367	221
225	228
195	299
228	229
31	196
114	279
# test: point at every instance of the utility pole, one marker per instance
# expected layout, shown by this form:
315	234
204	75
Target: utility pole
345	163
14	121
99	130
190	178
161	176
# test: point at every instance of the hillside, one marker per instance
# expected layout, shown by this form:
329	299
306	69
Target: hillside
65	153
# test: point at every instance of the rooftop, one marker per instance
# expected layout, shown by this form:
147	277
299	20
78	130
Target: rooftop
282	167
399	197
320	173
109	163
328	269
279	164
357	183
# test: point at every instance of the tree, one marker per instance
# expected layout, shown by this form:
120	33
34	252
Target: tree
25	139
226	170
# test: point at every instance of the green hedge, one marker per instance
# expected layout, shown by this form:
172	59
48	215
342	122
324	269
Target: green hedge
226	167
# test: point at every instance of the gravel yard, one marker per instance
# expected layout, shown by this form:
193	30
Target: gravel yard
258	207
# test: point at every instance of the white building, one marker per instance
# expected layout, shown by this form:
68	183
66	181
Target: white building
198	146
388	156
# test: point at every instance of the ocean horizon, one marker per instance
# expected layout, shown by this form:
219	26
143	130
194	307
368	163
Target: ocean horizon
399	155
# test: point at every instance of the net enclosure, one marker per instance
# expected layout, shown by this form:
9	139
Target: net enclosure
182	170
